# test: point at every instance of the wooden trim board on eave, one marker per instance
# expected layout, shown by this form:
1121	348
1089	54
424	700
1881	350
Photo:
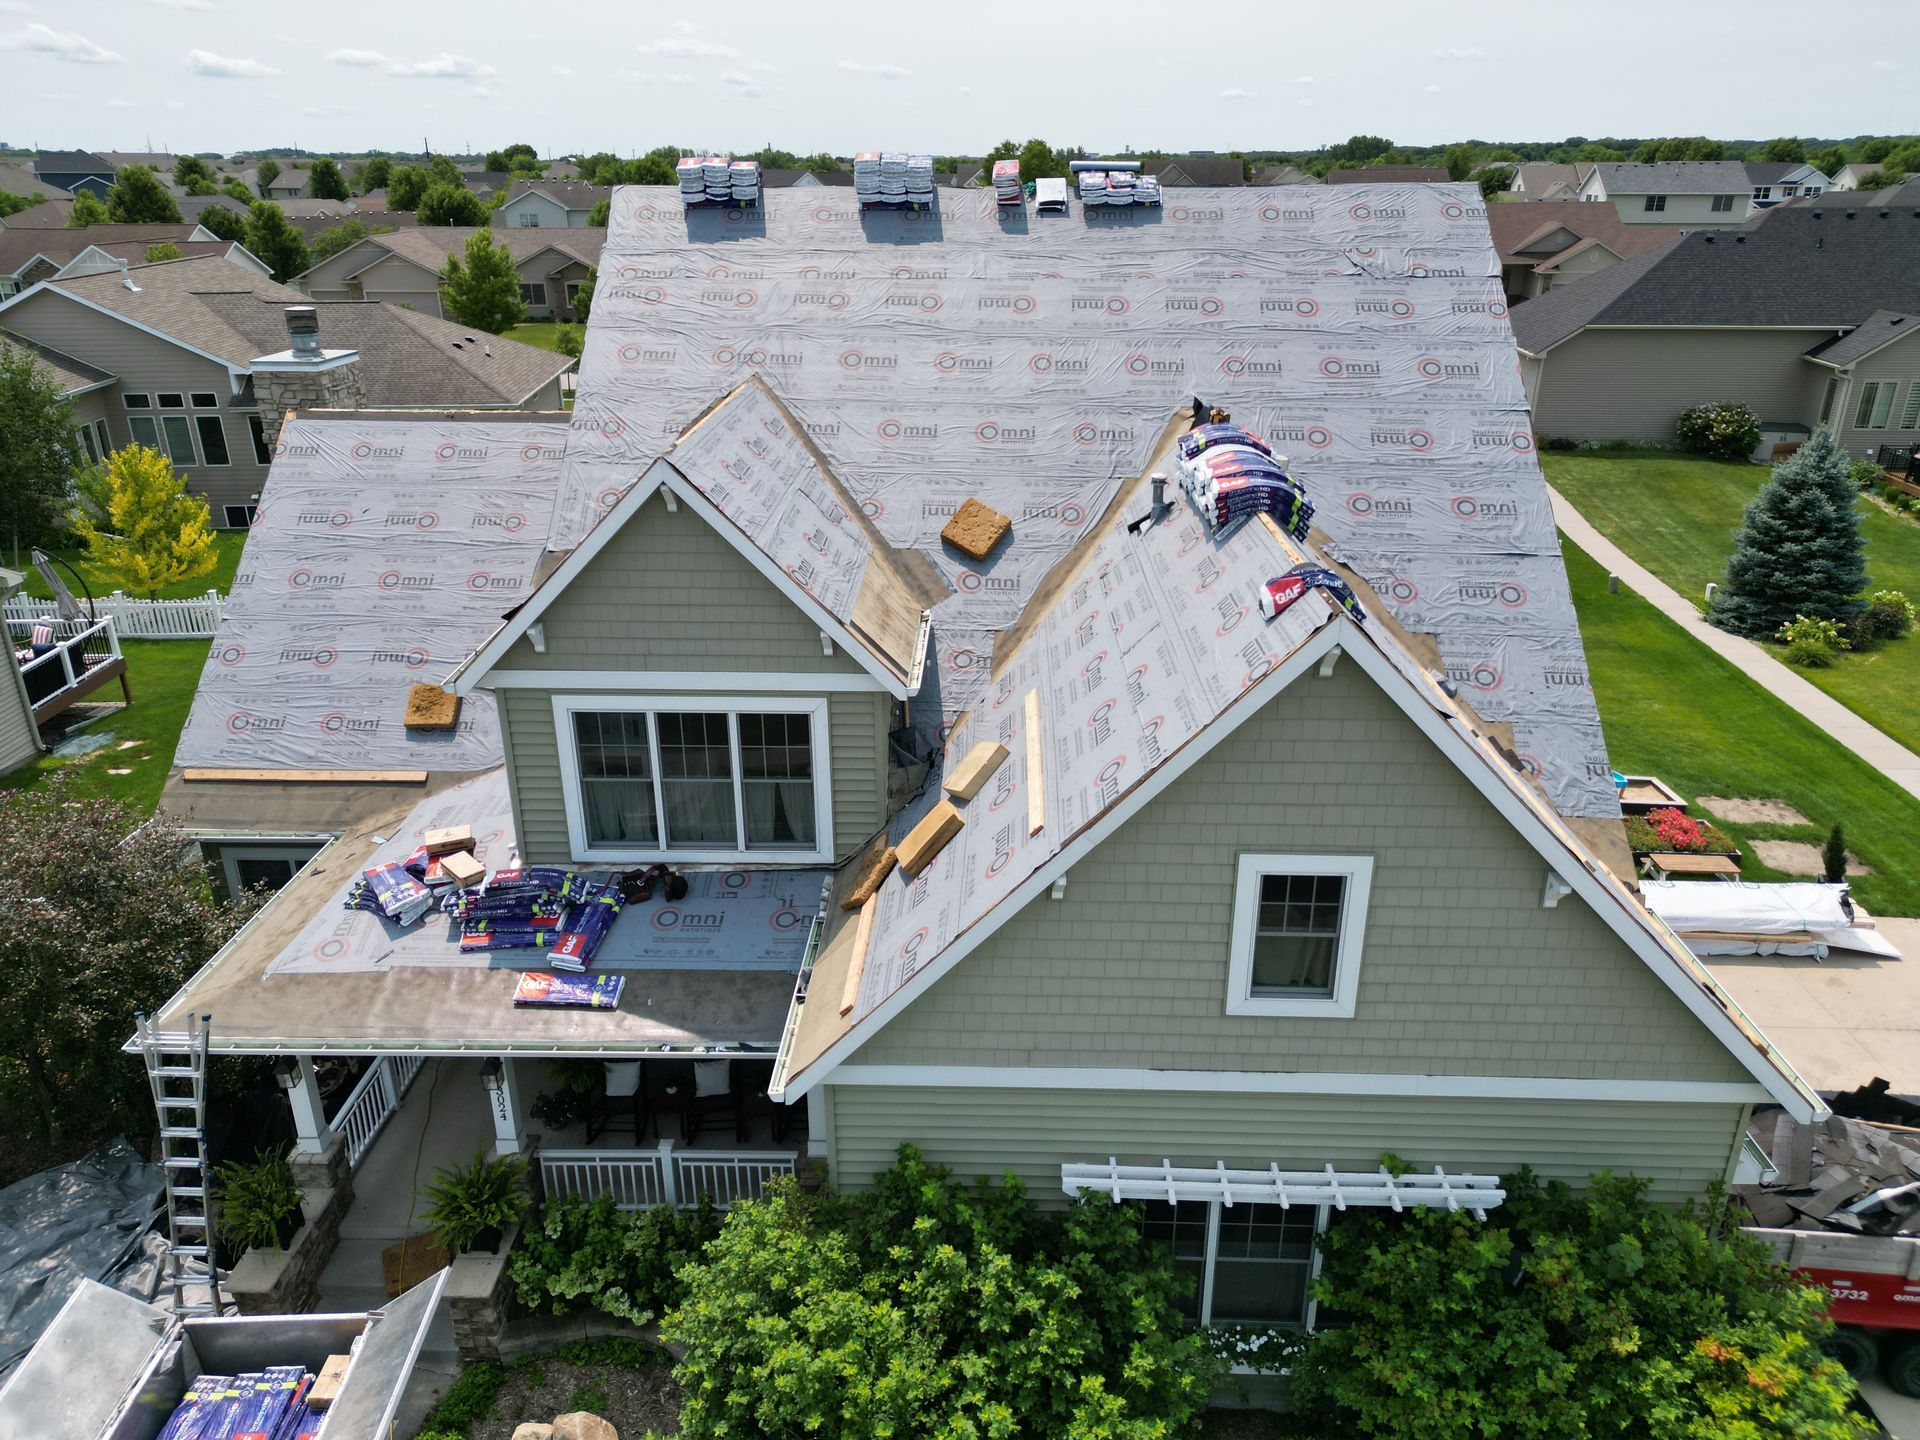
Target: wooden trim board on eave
337	777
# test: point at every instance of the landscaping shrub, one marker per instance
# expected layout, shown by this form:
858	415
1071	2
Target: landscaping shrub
1888	616
1724	430
926	1308
1597	1314
1833	857
1554	442
469	1399
592	1254
1811	642
1674	830
1865	473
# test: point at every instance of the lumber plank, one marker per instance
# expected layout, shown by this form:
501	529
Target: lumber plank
929	837
857	962
975	770
879	865
336	777
326	1389
1036	782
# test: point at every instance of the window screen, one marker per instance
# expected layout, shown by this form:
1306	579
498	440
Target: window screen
1876	404
533	292
213	439
616	778
776	778
1297	934
1655	202
1722	203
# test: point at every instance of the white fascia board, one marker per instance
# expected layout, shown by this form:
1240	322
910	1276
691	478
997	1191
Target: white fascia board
258	264
1249	703
1301	1082
1603	894
666	681
235	372
467	676
861	652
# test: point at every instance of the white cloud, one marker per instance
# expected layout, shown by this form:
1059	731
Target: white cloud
1433	90
14	7
1236	94
1305	80
687	43
1887	65
1304	104
1459	52
186	4
882	71
362	59
481	92
120	103
744	85
62	45
657	77
176	104
441	67
761	67
564	72
227	67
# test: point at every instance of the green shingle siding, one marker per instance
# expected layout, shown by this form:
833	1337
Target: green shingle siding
1679	1147
1464	972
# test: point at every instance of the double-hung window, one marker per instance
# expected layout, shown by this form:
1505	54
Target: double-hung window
1722	204
1298	927
695	778
533	292
1654	202
1876	404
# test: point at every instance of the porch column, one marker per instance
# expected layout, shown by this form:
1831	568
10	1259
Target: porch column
817	1121
295	1074
503	1102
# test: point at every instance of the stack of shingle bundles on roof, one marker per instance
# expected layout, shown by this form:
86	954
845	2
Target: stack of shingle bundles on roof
1837	1175
520	908
1229	473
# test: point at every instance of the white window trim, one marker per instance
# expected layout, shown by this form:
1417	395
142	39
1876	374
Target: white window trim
200	440
1357	870
232	855
813	707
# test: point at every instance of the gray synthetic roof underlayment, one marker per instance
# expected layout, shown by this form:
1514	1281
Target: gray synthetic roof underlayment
1032	361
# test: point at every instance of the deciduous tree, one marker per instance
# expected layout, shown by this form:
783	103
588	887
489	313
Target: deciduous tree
138	523
374	175
583	297
405	186
88	209
483	290
515	157
1799	550
451	205
1785	150
325	182
601	214
189	168
138	198
11	204
38	451
162	250
266	172
273	240
335	238
224	223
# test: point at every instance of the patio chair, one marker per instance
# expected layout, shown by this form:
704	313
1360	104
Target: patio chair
623	1096
713	1098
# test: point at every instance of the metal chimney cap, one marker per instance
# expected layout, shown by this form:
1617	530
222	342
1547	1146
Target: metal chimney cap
303	328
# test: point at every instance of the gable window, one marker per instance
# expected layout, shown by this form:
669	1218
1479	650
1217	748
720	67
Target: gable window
1876	404
171	400
695	778
136	401
213	439
1787	192
1722	204
1298	926
530	219
533	292
205	400
1654	202
1810	189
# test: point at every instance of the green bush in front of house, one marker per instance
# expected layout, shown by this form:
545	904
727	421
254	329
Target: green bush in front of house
625	1263
1563	1314
1724	430
936	1309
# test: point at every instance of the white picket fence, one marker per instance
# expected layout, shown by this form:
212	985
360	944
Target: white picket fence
136	618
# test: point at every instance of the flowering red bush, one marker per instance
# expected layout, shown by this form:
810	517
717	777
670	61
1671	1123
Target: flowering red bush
1677	831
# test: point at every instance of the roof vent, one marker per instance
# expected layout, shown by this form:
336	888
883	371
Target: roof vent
1739	239
1821	214
1709	240
1885	213
303	329
1849	214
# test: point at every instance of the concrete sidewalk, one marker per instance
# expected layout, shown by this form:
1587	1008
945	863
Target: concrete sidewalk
1890	758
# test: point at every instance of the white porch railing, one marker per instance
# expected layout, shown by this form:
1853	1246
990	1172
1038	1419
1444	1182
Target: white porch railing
642	1179
373	1102
138	619
78	646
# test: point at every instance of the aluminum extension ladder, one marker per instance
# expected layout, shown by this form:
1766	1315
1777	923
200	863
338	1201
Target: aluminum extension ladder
177	1075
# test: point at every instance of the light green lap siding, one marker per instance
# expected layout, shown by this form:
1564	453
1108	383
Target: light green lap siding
1679	1147
857	725
668	593
1464	972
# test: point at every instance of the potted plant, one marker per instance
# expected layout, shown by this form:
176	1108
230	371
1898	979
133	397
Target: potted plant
472	1206
578	1085
259	1203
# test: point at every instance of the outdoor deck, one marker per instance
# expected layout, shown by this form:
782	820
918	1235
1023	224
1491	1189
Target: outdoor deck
81	657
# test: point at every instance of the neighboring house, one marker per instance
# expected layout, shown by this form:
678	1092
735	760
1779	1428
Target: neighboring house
1848	177
161	164
83	386
75	170
184	340
1283	175
404	267
30	256
17	178
1202	170
193	206
533	204
47	215
1776	180
1542	180
484	182
1389	175
1806	316
1694	194
1547	243
289	184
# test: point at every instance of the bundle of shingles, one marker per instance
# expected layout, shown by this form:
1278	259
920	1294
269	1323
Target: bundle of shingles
403	891
1836	1174
271	1405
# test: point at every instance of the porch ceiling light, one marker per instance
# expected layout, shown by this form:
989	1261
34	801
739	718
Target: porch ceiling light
286	1072
491	1074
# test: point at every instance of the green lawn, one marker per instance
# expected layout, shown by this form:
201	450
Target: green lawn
1673	708
228	542
1676	515
163	675
544	333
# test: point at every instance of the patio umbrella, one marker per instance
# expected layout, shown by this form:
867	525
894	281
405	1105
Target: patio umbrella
65	605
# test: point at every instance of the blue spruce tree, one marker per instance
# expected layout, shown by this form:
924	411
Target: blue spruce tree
1798	550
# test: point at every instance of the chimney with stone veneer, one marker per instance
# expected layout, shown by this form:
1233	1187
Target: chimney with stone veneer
306	376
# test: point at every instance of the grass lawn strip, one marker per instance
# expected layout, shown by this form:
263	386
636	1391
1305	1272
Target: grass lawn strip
163	675
1673	708
1676	515
544	333
229	543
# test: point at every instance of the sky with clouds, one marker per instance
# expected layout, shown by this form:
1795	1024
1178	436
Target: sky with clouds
841	75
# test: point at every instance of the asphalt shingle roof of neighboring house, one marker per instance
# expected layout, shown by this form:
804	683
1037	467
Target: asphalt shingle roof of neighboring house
428	246
1535	178
70	374
127	242
1810	267
47	215
70	162
1883	327
1522	229
1674	177
1282	175
1389	175
1201	170
574	194
408	359
1771	172
17	178
150	158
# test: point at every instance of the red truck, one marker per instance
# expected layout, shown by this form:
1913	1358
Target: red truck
1873	1293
